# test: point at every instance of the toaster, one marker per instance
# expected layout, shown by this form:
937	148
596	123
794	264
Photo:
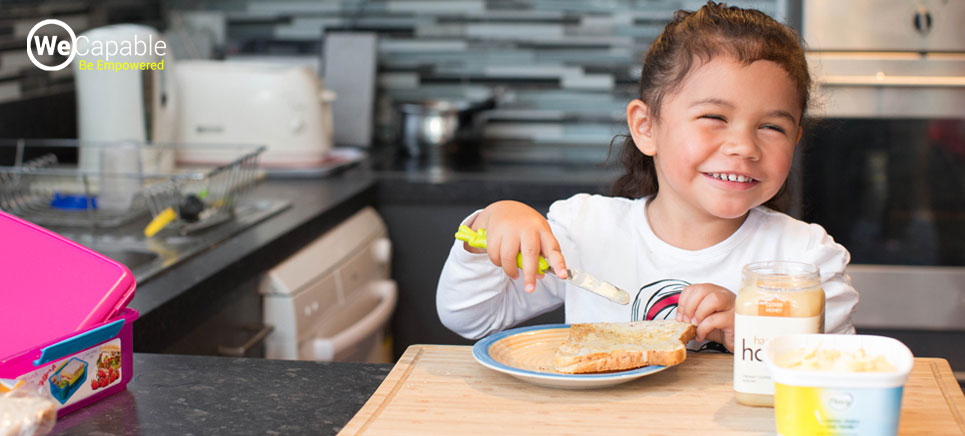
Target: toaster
283	107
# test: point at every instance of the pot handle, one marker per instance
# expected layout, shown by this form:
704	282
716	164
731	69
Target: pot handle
488	103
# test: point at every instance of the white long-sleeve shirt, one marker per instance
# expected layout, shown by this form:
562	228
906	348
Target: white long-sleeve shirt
611	239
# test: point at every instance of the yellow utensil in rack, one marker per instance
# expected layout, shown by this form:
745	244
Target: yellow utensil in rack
168	215
579	278
160	221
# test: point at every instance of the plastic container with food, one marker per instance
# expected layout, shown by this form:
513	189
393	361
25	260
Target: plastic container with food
837	385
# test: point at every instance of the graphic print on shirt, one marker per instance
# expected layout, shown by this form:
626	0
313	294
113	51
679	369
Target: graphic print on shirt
662	297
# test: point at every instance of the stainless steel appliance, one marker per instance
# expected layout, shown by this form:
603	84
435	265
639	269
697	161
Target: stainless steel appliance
884	170
888	58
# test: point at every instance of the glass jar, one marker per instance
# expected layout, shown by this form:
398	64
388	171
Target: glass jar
775	298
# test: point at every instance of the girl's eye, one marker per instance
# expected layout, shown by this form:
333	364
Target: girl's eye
713	117
773	127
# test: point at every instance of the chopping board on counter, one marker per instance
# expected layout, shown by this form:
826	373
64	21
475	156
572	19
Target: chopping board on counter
440	389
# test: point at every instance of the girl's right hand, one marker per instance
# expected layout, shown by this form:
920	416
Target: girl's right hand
512	228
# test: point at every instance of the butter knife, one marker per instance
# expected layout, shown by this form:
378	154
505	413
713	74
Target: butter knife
579	278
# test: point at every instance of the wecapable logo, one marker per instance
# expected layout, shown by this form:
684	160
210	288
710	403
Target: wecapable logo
48	44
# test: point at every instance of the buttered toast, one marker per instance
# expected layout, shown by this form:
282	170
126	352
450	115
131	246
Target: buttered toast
603	346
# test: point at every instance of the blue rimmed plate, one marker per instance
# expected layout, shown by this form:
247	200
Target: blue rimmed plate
527	354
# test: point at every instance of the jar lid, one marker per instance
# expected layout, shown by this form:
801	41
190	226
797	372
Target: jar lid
781	275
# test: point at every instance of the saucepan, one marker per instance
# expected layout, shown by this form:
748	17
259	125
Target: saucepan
436	124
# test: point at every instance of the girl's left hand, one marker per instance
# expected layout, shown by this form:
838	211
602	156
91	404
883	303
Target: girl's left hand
711	309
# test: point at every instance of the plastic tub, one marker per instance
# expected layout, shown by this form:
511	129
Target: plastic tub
829	403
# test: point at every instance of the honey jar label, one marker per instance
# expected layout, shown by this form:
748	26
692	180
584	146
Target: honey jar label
773	307
751	333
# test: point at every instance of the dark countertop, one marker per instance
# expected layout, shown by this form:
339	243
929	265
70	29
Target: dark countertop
445	178
184	395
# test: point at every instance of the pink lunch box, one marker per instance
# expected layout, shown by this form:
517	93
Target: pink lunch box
64	325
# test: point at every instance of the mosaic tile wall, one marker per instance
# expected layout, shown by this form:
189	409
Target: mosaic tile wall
568	66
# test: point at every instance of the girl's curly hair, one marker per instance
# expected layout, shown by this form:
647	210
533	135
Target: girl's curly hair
693	38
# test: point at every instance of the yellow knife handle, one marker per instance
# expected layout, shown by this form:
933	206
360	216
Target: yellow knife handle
477	239
160	221
474	239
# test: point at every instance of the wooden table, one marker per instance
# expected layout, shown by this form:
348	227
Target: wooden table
439	389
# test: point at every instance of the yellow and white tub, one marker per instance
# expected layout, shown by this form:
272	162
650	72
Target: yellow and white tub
837	385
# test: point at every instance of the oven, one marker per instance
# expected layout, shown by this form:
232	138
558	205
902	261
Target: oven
883	168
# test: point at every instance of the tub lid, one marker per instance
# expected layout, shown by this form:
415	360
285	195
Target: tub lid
51	286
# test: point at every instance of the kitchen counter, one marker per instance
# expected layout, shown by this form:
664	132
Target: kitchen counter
184	395
443	179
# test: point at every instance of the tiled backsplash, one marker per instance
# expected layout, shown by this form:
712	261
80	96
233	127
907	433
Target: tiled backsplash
568	67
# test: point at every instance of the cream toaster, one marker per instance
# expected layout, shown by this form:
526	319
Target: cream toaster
283	107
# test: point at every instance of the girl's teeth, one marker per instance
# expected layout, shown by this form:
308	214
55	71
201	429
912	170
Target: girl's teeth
731	177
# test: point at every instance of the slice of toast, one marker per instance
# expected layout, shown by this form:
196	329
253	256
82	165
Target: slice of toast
603	346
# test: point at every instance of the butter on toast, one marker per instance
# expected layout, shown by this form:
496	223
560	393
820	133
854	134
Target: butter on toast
603	346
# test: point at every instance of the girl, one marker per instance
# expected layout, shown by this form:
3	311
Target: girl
723	94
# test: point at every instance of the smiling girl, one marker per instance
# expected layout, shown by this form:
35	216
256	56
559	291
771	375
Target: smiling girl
723	94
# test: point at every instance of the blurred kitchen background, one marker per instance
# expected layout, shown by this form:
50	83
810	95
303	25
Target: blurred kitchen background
445	106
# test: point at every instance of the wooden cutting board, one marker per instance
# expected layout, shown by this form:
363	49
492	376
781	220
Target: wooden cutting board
439	389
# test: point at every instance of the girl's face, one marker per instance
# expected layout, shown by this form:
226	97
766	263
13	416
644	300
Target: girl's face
725	139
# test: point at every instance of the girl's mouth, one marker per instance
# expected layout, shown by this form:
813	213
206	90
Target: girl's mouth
727	177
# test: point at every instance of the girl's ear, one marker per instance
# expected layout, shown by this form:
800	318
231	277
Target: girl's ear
641	127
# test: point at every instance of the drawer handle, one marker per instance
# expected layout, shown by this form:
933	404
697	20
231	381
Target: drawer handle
262	331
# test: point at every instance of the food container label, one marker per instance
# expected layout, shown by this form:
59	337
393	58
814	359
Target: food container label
79	375
773	307
750	335
816	411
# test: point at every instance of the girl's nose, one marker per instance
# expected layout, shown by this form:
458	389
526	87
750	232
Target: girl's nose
742	145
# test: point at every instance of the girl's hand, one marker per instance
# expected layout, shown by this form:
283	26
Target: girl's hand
711	309
512	228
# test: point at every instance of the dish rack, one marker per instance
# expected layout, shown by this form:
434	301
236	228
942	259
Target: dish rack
101	185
